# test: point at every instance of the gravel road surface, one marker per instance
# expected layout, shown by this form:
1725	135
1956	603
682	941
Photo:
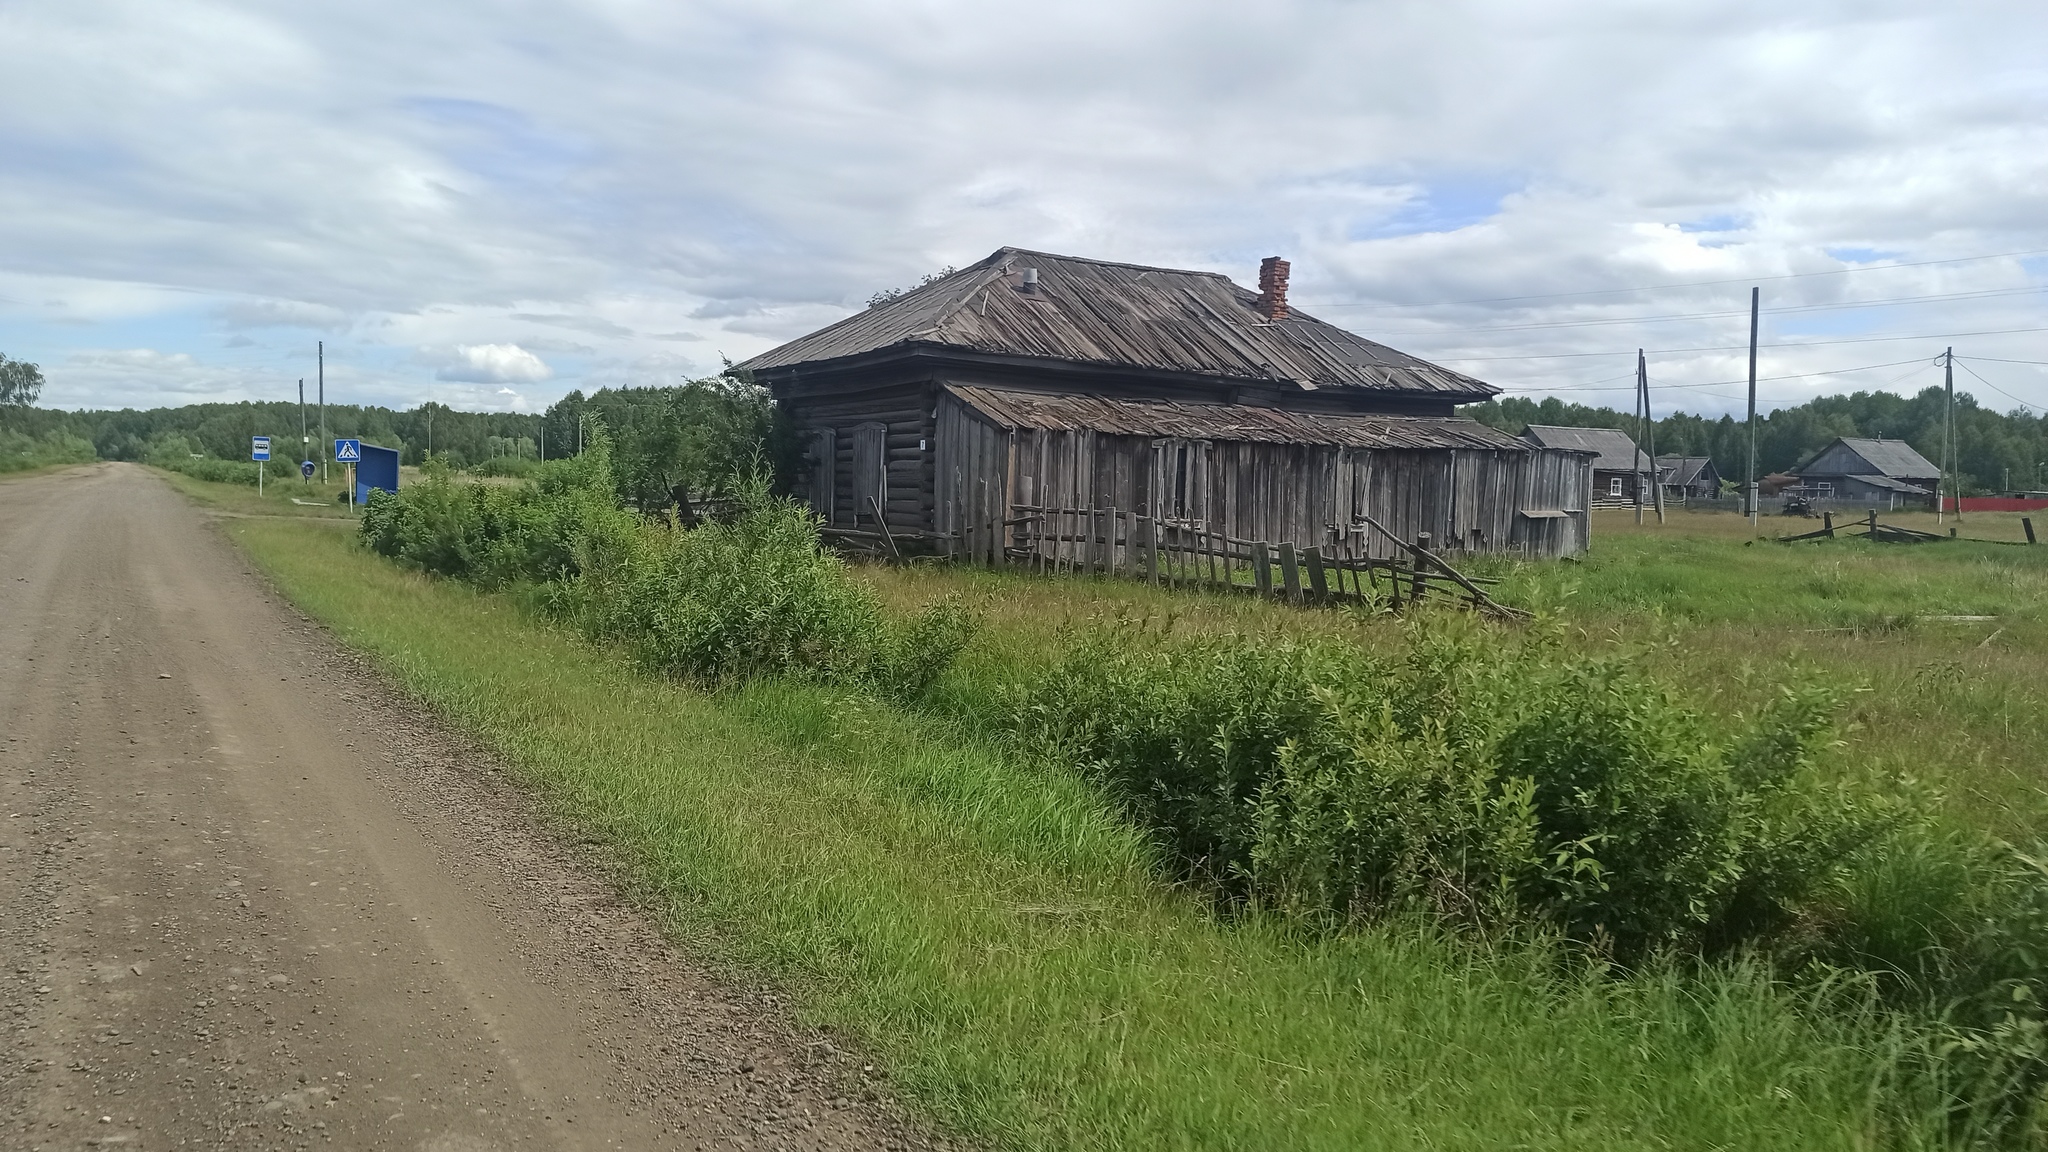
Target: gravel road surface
251	899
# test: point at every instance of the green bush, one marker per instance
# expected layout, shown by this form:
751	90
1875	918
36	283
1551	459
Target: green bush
1497	783
19	451
494	535
758	597
719	604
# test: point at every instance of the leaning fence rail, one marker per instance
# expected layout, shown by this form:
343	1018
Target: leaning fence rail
1188	554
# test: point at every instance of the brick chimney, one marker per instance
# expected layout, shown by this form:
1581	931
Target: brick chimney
1273	288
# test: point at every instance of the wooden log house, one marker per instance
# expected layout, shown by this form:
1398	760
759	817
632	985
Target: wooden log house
1031	382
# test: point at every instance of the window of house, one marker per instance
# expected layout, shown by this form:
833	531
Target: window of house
1614	486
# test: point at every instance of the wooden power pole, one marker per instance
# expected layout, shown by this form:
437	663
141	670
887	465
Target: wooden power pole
1755	295
1650	431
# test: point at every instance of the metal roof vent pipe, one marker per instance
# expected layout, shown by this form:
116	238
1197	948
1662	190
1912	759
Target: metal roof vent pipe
1029	283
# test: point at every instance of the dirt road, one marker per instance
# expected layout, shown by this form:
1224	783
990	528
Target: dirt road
244	904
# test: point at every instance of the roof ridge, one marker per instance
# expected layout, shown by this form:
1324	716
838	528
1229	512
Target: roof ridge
1010	248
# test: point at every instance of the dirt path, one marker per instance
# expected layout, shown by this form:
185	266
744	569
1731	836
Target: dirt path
245	906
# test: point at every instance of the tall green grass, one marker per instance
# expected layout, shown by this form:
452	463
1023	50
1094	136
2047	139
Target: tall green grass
993	929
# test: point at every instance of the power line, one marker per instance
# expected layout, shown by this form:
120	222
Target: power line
2001	360
1789	309
1918	364
1734	347
2001	391
1701	283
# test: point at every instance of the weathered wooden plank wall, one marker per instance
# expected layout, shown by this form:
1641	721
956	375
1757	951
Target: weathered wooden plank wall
1310	495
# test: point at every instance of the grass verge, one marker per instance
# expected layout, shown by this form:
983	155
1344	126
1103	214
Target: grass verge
1004	943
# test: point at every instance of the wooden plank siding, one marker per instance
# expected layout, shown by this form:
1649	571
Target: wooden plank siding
1310	495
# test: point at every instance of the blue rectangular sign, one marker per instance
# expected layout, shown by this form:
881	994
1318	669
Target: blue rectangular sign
259	447
348	451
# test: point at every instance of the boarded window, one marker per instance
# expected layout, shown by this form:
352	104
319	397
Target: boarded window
824	461
870	470
1180	477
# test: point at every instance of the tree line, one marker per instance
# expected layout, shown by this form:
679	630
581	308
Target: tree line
1995	451
693	438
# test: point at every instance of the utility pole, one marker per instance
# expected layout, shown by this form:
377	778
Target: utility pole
1640	432
1755	295
305	441
430	429
322	346
1650	429
1948	435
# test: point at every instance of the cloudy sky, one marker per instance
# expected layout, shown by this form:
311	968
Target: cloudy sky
490	204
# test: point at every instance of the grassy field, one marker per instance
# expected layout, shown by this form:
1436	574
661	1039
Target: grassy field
1005	943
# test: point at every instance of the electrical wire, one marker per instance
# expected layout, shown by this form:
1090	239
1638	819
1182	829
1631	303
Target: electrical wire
1706	283
1918	364
2002	360
2001	391
1852	305
1731	347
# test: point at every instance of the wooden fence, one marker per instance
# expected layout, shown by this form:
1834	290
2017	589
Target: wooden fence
1114	542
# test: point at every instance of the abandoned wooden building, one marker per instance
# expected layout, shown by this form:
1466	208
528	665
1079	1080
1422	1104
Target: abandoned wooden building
1030	381
1619	468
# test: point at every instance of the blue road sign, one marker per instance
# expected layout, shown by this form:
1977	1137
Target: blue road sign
259	447
306	469
348	451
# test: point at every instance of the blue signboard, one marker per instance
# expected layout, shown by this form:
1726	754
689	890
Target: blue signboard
378	469
259	447
348	451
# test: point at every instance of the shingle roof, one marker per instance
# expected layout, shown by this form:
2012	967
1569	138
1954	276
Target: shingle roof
1616	452
1894	458
1118	417
1120	316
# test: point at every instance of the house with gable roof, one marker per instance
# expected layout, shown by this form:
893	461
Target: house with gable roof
1030	381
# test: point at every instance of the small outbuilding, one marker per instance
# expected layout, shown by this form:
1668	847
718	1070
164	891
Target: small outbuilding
1618	467
1878	472
1030	382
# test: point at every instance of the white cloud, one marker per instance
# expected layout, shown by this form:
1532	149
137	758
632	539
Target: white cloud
632	190
493	364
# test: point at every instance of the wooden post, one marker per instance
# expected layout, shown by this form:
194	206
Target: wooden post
1318	583
1151	526
1262	568
1421	567
2027	522
1290	572
1827	524
1873	523
1209	546
883	523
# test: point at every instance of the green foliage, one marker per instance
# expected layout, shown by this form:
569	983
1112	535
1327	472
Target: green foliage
705	437
20	451
1496	784
494	535
720	604
20	383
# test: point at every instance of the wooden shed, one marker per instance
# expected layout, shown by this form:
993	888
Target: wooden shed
1031	382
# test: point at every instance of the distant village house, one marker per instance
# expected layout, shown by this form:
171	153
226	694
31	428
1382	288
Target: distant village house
1878	472
1035	381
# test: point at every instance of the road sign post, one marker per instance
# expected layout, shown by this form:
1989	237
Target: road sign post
349	452
259	451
